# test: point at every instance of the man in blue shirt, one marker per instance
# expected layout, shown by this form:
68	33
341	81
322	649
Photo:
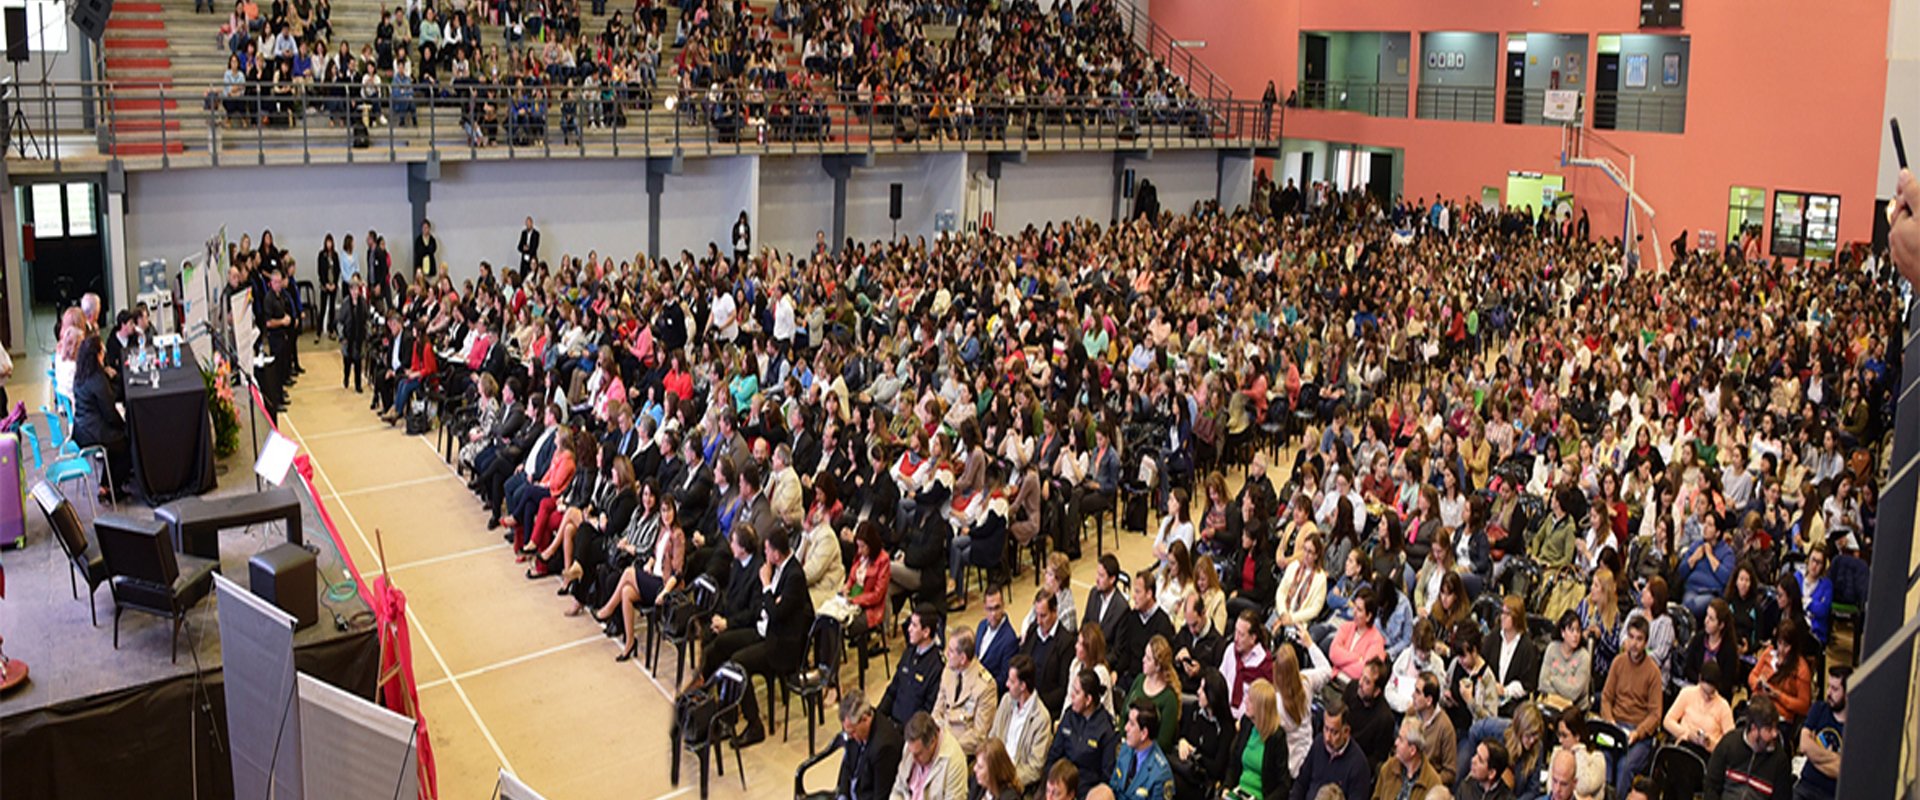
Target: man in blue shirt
1706	568
1140	771
995	641
1820	740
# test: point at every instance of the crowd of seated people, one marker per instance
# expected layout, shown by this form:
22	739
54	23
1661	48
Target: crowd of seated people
1521	460
1005	64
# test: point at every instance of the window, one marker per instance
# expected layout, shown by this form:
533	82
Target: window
80	212
1746	210
1805	225
63	209
46	24
49	222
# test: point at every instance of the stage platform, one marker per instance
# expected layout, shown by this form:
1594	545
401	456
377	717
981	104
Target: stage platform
93	721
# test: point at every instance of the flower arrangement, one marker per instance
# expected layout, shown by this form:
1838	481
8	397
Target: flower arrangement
226	423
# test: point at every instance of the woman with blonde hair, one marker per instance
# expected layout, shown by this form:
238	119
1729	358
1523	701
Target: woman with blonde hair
1259	753
1296	715
1213	598
1159	684
993	776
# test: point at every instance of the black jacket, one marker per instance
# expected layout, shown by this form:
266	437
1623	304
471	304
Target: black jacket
789	612
1275	781
915	684
1109	622
1736	772
529	247
1130	644
1525	666
1052	659
867	771
741	603
95	419
328	264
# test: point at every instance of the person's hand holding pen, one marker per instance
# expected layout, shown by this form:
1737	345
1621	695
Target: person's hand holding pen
1904	237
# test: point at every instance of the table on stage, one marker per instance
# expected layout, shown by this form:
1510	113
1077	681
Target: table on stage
171	431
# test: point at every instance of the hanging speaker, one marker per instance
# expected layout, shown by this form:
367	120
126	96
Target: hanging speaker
90	16
15	19
893	202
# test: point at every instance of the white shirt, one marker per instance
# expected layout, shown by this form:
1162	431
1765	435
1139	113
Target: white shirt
783	325
761	625
725	327
1507	648
1021	713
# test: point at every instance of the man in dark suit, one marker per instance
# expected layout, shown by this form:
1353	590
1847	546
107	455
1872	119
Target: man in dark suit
774	641
529	247
995	640
513	419
276	322
525	460
1137	627
873	749
1050	645
353	336
1106	604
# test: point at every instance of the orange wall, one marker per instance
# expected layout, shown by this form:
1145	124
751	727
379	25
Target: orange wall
1782	94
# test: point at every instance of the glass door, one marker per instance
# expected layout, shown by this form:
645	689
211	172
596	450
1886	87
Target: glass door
1746	213
1789	225
1823	225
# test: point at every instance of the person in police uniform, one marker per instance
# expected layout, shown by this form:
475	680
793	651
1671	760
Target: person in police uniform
1085	735
1141	772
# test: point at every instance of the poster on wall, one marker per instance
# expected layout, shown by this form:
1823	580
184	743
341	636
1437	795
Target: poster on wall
1637	71
1563	105
1670	70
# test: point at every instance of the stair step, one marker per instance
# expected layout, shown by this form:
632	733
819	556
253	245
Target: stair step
115	64
131	125
141	8
119	23
121	105
147	148
116	43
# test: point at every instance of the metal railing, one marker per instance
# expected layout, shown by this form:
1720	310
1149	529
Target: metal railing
217	123
1367	97
1529	107
1663	112
1460	103
1159	43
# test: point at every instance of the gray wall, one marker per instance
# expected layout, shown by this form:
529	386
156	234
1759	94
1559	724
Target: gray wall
1482	55
1542	48
171	214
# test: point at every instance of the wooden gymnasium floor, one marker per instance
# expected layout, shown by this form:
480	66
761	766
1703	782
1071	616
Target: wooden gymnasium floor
505	679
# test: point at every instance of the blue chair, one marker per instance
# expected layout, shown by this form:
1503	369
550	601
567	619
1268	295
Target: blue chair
71	462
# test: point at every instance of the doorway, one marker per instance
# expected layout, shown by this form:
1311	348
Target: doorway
1380	180
63	250
1606	91
1306	170
1313	70
1516	97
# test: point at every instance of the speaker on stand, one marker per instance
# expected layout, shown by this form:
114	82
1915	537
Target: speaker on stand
893	206
15	20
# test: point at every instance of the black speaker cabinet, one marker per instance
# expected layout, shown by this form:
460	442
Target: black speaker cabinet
286	577
15	18
90	16
893	201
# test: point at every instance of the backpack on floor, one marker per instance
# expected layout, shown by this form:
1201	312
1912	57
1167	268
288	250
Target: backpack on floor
419	416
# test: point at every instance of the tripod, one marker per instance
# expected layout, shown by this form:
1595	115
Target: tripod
18	131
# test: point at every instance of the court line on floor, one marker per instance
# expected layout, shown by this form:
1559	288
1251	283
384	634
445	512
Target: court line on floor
636	662
515	660
349	431
675	793
395	485
425	562
321	472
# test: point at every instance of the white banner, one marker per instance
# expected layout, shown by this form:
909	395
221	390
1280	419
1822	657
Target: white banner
263	725
509	787
352	749
1563	105
244	333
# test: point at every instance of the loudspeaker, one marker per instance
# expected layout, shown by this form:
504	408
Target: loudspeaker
15	18
285	576
893	202
90	16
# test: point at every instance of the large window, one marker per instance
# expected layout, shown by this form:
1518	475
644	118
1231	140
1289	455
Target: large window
1746	211
1805	225
46	24
59	210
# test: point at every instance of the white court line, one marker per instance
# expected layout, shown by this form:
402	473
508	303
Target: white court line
320	471
675	793
394	485
350	432
636	662
447	557
515	660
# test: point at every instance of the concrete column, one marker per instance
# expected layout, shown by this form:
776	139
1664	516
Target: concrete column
1236	179
657	171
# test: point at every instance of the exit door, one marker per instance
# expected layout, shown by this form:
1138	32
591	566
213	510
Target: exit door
1606	94
1516	107
1380	177
1313	73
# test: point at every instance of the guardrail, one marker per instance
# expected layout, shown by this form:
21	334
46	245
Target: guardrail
1367	97
1461	103
1663	112
297	123
1158	42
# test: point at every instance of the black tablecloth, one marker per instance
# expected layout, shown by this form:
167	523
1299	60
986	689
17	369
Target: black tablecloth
171	431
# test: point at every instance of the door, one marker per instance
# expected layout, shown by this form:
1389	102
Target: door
1380	177
1606	91
1306	170
1516	109
1313	72
69	254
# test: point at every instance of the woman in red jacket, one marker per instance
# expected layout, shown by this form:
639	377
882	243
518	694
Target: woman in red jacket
421	369
867	585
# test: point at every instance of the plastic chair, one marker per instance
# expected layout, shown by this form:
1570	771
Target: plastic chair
67	468
729	686
826	647
704	595
1681	769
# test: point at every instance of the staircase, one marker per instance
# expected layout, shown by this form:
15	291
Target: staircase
139	61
